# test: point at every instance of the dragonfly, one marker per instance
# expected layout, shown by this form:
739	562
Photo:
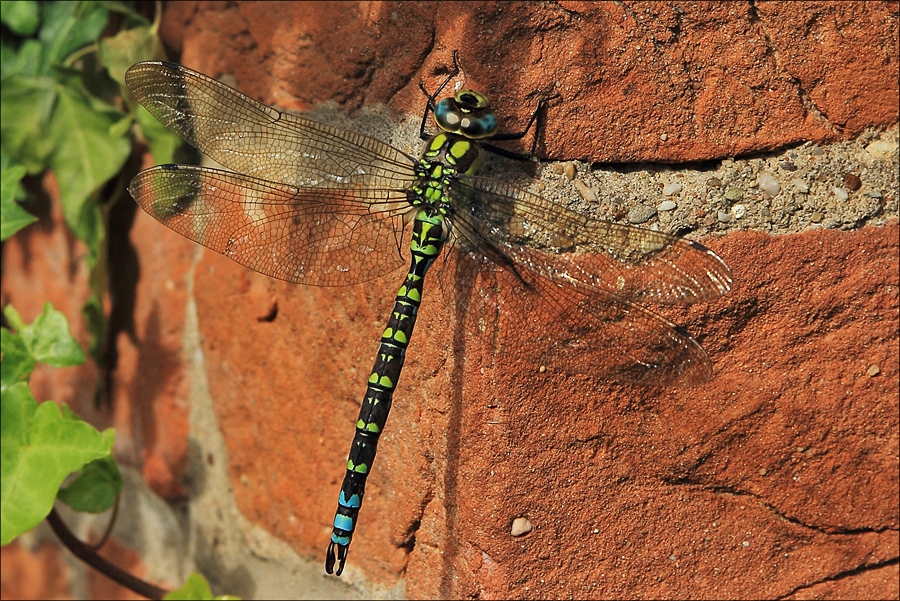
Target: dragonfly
315	204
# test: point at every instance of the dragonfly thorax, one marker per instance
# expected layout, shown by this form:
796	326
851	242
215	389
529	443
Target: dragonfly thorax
446	157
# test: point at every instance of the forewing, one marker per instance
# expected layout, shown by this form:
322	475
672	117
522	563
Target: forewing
323	237
627	262
252	138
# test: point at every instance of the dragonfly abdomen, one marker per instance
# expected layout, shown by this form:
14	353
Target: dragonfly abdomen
427	241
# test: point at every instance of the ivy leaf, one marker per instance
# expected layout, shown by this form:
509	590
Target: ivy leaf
25	60
22	18
163	143
127	47
96	487
17	363
120	52
47	338
85	157
28	104
40	448
67	27
196	587
12	216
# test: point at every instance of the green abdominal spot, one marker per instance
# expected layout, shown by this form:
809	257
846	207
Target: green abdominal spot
362	468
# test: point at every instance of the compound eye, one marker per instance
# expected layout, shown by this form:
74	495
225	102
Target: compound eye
447	115
477	126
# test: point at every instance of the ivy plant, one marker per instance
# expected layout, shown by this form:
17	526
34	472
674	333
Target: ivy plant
44	443
65	109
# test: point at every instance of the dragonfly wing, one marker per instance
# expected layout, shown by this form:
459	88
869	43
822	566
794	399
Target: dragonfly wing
567	247
252	138
323	237
563	328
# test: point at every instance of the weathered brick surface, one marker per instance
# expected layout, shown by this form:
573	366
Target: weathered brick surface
778	478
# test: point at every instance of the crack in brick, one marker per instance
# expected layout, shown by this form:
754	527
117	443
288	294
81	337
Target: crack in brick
802	93
735	492
862	569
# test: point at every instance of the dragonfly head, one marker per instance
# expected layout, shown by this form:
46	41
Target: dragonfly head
468	114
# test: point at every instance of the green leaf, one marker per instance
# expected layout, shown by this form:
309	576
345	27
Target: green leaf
67	27
25	60
121	128
12	216
22	17
47	338
27	104
85	157
127	47
96	487
15	320
96	322
196	587
17	363
50	339
120	52
39	449
163	143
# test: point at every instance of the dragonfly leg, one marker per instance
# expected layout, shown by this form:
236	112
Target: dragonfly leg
429	106
519	156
